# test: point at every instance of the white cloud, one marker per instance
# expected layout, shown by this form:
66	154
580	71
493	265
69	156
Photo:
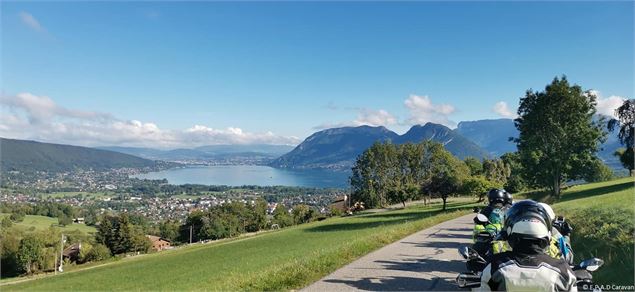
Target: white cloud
374	118
366	117
607	106
28	116
423	110
43	108
30	21
503	110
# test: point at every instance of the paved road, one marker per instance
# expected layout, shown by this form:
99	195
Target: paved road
425	261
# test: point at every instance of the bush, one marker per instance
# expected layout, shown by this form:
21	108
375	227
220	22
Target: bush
98	252
334	211
17	217
606	234
6	223
598	172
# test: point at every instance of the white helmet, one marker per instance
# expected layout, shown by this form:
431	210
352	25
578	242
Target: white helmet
528	221
550	212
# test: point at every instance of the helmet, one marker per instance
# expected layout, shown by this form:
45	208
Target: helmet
549	210
528	223
507	197
496	196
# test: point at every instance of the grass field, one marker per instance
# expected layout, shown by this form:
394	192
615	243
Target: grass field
294	257
286	259
34	222
603	216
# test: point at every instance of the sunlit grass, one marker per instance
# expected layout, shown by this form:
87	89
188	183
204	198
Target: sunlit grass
286	259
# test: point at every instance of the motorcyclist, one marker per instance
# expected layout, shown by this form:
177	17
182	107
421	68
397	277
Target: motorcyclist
508	200
484	234
560	246
527	267
494	212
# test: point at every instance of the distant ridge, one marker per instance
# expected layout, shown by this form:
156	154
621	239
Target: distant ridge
210	153
338	148
24	155
491	135
452	141
334	148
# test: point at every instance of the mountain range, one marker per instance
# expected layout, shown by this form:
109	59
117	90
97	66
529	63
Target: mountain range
335	148
218	154
339	147
22	155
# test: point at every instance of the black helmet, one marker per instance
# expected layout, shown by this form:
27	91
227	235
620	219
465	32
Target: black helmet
508	198
527	223
496	196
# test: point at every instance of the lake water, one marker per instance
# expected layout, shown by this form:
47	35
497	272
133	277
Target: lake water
238	175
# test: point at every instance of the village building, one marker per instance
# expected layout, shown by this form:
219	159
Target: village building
158	243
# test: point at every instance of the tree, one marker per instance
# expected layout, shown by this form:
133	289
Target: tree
558	138
169	229
477	186
281	216
6	223
626	123
496	172
17	216
301	214
447	173
626	158
598	172
121	236
29	253
515	181
257	216
374	175
97	252
475	165
407	172
64	220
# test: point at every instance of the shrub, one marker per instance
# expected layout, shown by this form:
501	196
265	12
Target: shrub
606	234
98	252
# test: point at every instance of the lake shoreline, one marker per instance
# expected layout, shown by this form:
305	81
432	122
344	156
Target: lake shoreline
257	175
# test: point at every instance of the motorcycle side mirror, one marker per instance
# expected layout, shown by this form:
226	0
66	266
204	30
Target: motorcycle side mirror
481	219
476	210
592	264
464	251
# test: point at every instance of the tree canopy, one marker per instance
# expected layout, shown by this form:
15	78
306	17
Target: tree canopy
626	124
558	138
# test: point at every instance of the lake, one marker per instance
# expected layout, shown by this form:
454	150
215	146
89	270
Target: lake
238	175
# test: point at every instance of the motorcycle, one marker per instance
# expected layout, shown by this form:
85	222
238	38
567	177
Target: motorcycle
582	271
475	265
476	256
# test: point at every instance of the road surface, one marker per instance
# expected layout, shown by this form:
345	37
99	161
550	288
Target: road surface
425	261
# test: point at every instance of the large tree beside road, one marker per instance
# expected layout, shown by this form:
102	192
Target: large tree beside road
626	125
558	137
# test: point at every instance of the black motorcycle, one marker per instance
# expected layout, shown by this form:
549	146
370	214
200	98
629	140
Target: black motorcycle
582	271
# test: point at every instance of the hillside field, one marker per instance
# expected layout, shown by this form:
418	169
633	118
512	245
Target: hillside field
36	222
286	259
295	257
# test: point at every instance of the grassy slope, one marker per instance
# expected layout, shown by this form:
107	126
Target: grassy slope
286	259
294	257
618	197
43	222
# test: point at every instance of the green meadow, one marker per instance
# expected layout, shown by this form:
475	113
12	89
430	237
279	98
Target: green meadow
287	259
36	222
295	257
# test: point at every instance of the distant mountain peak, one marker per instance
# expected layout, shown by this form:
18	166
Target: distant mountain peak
339	147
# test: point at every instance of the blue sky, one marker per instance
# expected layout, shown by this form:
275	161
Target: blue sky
170	74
